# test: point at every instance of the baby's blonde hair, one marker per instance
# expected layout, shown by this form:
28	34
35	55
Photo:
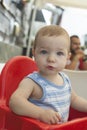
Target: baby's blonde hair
50	30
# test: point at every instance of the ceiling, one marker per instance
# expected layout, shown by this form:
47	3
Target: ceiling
72	3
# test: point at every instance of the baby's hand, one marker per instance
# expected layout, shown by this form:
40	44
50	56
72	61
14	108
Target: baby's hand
50	117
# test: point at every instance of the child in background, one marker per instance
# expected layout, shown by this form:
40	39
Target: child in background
47	95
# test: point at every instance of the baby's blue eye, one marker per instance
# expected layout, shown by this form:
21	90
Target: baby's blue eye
60	53
43	52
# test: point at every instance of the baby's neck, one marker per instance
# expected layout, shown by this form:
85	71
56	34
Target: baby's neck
56	79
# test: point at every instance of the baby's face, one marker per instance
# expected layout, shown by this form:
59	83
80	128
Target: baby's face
51	53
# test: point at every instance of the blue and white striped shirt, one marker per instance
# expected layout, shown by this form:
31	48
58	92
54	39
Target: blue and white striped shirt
54	97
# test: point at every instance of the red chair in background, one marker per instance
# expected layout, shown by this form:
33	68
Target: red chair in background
13	72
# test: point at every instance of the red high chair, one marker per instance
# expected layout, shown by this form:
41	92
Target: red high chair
0	87
13	72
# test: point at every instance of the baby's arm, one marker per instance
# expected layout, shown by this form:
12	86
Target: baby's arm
20	105
78	102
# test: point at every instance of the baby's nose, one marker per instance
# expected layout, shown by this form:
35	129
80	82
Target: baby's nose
51	58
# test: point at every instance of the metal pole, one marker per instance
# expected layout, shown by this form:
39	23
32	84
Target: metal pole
31	28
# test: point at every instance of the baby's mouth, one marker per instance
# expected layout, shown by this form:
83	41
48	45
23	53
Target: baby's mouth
50	67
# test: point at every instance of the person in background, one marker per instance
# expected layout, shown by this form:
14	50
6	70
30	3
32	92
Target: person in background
77	60
47	95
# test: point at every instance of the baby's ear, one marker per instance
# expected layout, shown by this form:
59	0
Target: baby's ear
69	55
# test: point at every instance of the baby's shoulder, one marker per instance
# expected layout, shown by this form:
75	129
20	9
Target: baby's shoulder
65	77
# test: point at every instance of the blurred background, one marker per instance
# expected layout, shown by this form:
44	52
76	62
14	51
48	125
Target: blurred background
21	19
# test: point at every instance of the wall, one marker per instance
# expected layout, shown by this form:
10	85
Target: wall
7	51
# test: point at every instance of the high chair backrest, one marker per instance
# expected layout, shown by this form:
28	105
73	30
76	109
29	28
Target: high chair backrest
13	72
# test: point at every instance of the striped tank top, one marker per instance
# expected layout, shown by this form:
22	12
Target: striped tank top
54	97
